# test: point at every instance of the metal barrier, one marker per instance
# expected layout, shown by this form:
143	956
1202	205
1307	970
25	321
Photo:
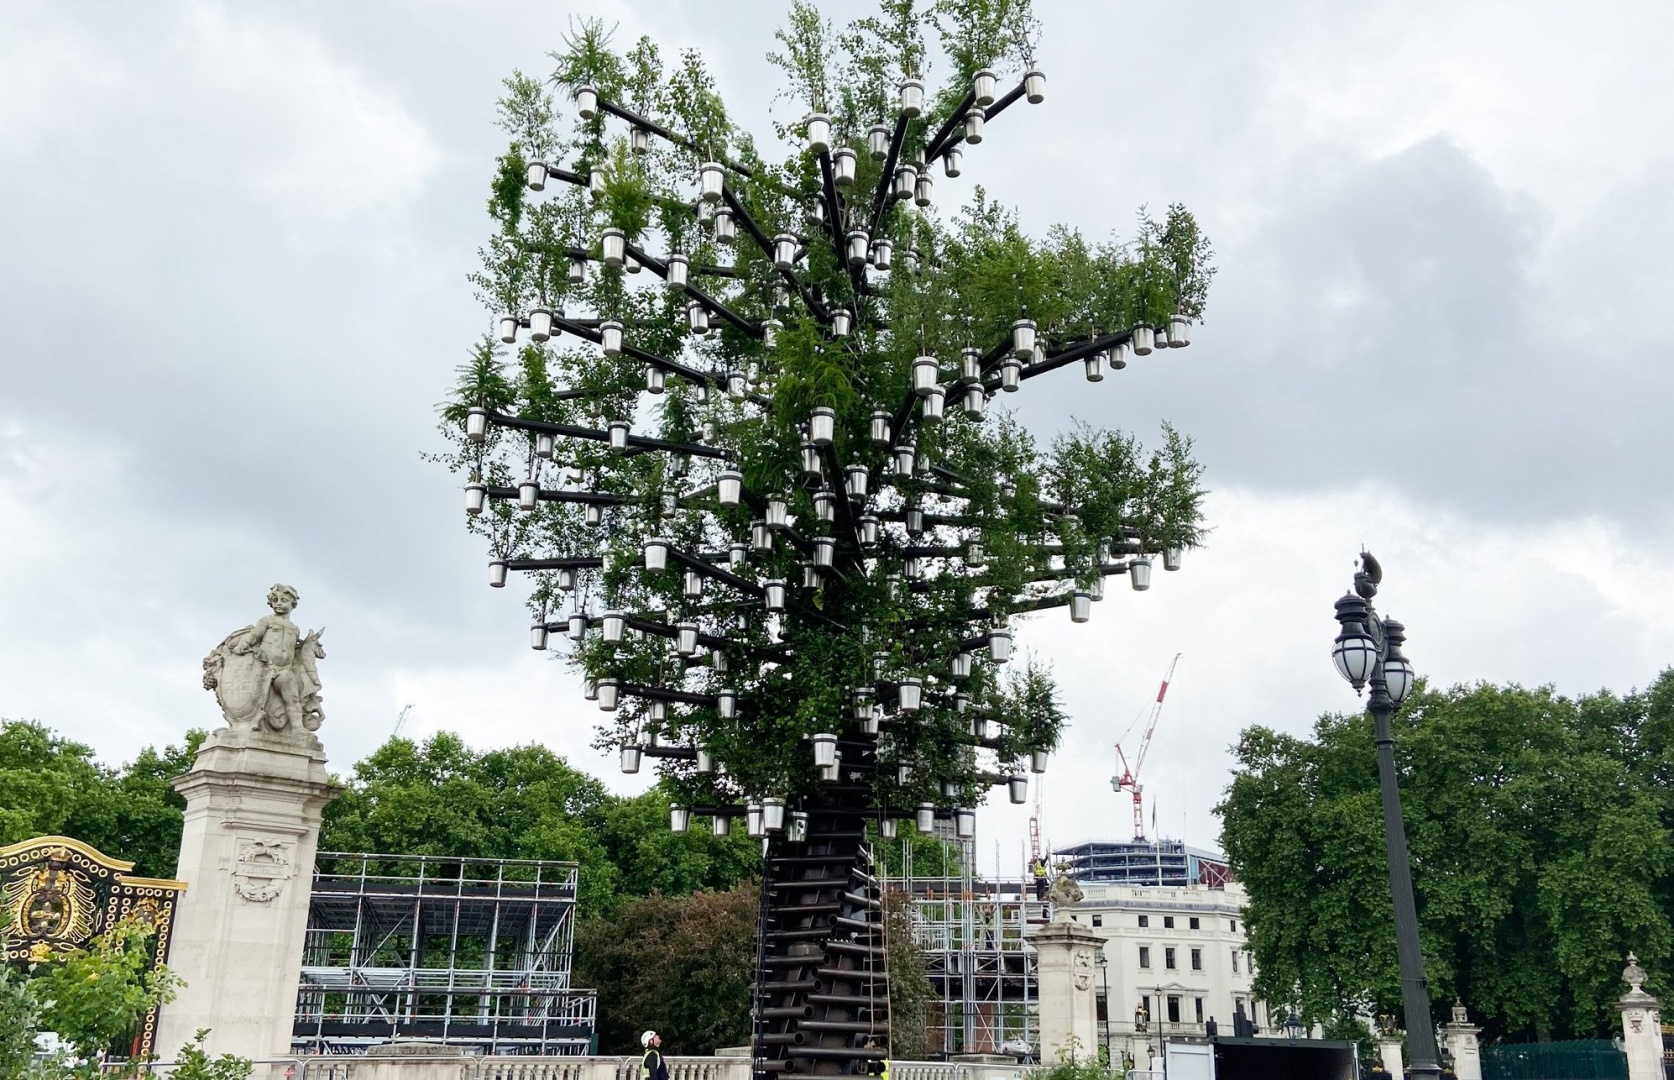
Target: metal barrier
1581	1059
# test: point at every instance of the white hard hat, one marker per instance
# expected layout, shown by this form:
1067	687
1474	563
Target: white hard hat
645	1040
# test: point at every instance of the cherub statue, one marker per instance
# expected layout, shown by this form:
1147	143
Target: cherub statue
1064	894
266	673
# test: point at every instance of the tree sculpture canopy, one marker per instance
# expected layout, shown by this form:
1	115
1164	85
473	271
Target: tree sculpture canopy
738	417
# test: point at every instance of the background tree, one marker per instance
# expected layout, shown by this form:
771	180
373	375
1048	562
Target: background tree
54	786
679	965
440	797
910	990
1540	840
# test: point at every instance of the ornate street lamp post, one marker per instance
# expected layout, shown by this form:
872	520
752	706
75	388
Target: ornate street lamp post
1368	651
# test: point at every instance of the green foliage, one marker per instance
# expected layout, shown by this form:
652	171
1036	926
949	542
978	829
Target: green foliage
910	990
505	201
1082	1063
679	965
51	786
96	996
916	856
192	1063
1001	35
586	59
20	1019
807	58
443	798
1539	829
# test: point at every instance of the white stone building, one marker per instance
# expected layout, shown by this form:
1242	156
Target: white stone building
1178	953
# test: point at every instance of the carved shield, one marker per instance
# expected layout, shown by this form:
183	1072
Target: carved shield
235	680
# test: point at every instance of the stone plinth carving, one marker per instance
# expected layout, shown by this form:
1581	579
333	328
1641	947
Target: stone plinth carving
254	797
1066	960
1462	1046
1641	1025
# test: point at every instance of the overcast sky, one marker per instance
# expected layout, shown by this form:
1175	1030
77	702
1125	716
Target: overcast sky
233	248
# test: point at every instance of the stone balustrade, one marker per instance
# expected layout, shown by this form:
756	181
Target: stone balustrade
456	1067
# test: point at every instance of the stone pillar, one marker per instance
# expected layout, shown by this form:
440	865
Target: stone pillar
1067	972
1460	1036
1389	1049
253	805
1641	1025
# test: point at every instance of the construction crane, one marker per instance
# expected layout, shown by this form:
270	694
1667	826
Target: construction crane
1128	778
1037	865
400	721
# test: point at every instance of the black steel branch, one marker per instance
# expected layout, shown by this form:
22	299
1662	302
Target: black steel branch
595	497
752	329
585	562
693	375
710	570
571	431
664	133
942	141
1077	352
766	245
880	199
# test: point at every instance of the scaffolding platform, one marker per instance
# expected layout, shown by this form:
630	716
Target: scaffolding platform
474	953
977	959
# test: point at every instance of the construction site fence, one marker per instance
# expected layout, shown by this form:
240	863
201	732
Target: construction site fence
417	1067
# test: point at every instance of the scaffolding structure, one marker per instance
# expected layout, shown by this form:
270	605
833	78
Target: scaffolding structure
976	955
467	952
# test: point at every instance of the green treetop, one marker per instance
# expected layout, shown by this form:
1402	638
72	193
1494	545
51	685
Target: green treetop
1540	835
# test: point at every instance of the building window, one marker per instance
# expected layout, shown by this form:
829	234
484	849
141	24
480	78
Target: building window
1192	922
1234	925
1235	961
1197	959
1145	957
1174	1008
1168	958
1168	922
1199	1004
1098	920
1145	920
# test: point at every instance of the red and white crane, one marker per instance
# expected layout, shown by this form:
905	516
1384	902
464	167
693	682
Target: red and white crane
1128	778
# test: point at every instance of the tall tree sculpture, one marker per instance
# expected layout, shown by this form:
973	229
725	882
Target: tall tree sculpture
735	424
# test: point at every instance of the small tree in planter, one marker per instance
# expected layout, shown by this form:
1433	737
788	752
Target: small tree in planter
787	534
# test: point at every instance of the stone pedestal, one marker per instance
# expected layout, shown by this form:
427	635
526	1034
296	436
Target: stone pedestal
253	805
1067	966
1641	1025
1389	1049
1462	1046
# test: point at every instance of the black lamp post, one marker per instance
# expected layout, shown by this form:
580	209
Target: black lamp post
1104	977
1368	650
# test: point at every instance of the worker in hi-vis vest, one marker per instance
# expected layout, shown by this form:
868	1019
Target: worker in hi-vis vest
652	1066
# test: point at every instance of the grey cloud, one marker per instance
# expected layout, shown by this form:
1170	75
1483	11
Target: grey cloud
230	376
